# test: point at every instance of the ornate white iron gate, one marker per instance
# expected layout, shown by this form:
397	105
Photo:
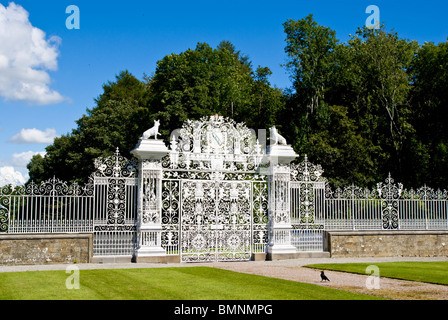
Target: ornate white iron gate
214	202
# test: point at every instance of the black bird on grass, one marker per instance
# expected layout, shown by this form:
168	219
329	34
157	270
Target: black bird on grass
323	276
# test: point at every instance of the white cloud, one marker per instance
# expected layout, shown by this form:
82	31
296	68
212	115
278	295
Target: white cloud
23	158
34	136
13	170
25	57
10	175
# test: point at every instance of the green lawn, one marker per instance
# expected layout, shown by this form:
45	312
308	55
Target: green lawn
195	283
431	272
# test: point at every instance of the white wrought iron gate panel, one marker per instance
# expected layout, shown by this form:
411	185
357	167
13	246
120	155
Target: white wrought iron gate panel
259	216
307	204
171	203
115	197
216	220
214	199
197	220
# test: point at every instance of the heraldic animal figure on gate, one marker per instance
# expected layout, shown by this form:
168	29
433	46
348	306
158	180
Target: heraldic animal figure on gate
275	137
154	131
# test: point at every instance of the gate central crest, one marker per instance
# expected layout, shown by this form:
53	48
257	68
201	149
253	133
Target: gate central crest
215	144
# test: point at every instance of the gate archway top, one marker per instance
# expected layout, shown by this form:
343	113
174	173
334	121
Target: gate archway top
217	135
215	143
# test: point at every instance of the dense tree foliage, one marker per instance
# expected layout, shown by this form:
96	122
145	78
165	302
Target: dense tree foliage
372	105
359	106
206	81
428	153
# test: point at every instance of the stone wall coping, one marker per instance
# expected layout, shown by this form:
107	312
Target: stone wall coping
386	232
31	236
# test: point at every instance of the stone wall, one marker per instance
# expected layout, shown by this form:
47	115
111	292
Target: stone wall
387	243
26	249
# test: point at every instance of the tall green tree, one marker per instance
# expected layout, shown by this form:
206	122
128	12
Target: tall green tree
309	48
429	153
369	76
266	102
372	79
206	81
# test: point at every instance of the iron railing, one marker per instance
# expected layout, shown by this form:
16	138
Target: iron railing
354	208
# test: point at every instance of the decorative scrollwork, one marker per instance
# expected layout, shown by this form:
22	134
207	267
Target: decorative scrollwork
115	166
50	187
216	218
424	193
350	192
260	203
4	213
308	177
115	172
306	197
170	212
307	172
390	193
150	196
215	134
116	201
314	226
9	189
108	227
211	166
170	202
170	236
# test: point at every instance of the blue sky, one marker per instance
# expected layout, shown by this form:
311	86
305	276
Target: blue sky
67	67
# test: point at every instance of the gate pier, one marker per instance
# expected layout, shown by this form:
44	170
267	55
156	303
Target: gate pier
149	153
280	245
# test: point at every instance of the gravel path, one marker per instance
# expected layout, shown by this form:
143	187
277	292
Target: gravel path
294	270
